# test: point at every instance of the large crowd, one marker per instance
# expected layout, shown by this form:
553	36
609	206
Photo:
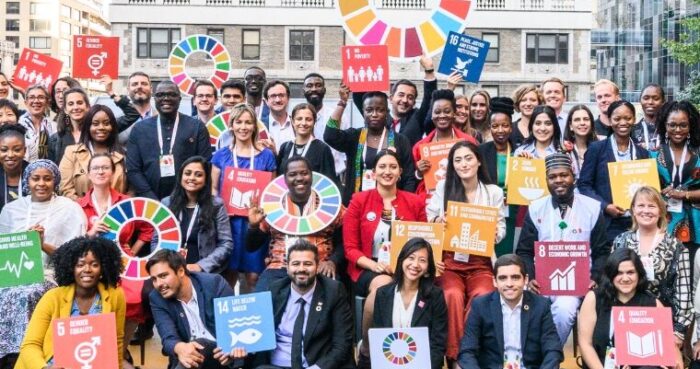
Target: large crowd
65	162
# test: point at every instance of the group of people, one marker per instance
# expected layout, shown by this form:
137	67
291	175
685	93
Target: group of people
61	173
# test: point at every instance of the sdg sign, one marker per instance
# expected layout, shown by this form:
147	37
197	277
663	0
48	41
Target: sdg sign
95	56
465	55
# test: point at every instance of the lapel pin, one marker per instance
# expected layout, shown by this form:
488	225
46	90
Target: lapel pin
318	308
421	304
371	216
526	307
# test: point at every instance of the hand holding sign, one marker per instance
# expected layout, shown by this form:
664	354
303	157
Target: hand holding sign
245	321
465	55
86	340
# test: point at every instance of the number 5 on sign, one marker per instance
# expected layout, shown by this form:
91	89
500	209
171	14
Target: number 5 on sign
402	232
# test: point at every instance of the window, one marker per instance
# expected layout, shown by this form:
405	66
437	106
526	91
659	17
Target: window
493	90
12	25
156	43
296	90
65	11
493	54
217	33
75	14
251	44
65	28
12	7
39	9
14	39
40	42
39	25
301	45
547	48
66	45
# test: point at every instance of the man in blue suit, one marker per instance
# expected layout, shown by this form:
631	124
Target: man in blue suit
510	325
183	309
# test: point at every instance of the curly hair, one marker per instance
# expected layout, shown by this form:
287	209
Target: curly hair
105	251
679	106
606	289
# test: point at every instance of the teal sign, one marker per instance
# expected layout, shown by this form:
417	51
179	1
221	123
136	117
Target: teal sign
20	259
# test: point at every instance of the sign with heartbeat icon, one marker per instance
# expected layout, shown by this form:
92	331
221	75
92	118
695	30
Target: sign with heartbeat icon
20	259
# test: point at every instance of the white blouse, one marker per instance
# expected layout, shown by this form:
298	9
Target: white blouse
401	317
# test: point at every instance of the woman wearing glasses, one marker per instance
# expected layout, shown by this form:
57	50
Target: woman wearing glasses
37	123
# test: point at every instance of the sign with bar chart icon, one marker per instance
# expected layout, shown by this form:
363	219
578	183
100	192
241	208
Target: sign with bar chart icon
526	180
470	229
627	176
408	33
562	268
645	336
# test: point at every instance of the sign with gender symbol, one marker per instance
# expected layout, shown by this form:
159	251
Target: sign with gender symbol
94	56
36	68
86	342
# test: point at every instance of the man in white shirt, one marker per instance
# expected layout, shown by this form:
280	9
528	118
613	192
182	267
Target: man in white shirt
554	94
276	93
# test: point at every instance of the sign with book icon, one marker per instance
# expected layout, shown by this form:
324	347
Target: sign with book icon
563	268
470	229
627	176
245	321
20	259
240	186
402	232
526	180
644	336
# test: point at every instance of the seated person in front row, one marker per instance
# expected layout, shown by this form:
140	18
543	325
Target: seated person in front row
300	201
510	326
177	300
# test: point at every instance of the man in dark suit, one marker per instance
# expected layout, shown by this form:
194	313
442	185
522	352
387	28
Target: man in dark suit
510	325
313	323
157	146
183	308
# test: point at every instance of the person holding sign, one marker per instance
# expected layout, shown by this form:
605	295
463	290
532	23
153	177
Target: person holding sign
37	123
526	98
678	161
306	145
361	145
367	227
594	180
12	163
578	135
510	327
666	260
623	283
183	309
545	135
413	300
466	276
299	202
563	216
245	152
87	274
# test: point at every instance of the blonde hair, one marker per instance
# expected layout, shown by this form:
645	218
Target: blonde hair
650	193
522	90
604	81
236	113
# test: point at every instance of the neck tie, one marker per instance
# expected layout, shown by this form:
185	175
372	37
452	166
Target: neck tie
298	335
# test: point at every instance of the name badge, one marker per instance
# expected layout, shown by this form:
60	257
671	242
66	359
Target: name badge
368	180
674	205
384	255
167	166
609	358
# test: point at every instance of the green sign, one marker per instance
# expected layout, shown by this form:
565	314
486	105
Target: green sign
20	259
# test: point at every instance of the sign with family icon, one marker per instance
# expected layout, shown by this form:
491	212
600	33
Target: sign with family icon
35	68
465	55
526	180
245	321
20	259
366	68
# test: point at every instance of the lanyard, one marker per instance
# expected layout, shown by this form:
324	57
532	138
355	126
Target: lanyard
507	160
29	212
252	157
678	169
646	133
576	158
615	150
172	139
93	198
303	152
192	220
364	149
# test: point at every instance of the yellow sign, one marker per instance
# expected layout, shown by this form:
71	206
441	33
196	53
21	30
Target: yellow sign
627	176
527	180
471	229
401	232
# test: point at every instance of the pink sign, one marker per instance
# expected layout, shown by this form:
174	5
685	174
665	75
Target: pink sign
643	336
86	341
366	68
35	68
240	186
563	268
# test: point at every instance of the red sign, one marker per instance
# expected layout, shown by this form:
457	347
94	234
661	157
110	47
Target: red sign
644	336
241	185
35	68
88	341
366	68
563	268
94	56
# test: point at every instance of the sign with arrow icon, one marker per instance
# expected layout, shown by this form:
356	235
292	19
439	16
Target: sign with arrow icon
20	259
95	56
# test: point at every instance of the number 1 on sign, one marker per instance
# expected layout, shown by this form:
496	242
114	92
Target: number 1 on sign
454	211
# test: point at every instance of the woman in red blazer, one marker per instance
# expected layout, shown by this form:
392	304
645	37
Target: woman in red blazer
367	229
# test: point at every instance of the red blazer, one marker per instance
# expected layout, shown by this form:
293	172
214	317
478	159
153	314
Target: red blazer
358	229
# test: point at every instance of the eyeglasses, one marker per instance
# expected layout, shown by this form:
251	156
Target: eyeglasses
36	98
161	95
671	126
204	96
277	96
254	78
105	168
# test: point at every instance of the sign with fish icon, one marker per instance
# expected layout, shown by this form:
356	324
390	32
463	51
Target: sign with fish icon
245	321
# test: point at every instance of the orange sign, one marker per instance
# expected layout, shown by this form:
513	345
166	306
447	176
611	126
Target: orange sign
436	153
402	232
87	341
471	229
644	336
526	180
241	185
627	176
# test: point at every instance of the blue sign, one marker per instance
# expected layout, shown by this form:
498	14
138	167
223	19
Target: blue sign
245	321
465	55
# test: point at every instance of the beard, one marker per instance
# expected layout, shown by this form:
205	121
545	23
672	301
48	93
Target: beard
310	280
566	198
314	99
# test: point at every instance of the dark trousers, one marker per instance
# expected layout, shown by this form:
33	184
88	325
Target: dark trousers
208	353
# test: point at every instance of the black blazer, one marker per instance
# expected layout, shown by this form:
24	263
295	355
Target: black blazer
482	344
430	311
328	335
488	153
3	184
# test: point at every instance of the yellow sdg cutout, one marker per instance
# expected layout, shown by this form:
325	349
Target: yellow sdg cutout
362	21
627	176
190	45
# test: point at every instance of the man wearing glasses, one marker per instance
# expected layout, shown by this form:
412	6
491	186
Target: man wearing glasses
205	97
276	95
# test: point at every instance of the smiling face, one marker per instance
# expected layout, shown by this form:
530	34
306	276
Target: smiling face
510	283
243	128
443	115
277	98
375	113
314	90
581	124
254	81
553	95
165	280
76	106
543	129
527	104
4	88
302	268
167	99
12	150
193	178
231	97
387	171
204	99
36	102
415	265
462	111
651	101
7	116
87	271
303	123
41	184
100	127
627	278
100	171
465	163
621	121
646	212
403	99
478	108
560	181
678	127
501	128
298	178
604	95
140	89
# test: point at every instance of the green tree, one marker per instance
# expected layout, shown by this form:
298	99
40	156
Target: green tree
687	51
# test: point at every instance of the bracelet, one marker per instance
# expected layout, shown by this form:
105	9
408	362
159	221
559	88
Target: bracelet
687	195
342	103
418	175
431	70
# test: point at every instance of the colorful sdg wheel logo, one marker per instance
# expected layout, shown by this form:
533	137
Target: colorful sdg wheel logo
191	45
399	348
408	33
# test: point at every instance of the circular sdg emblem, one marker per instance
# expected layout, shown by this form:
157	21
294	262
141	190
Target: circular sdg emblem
399	348
191	45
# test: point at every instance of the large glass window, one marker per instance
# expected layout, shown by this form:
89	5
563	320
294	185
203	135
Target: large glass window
547	48
39	25
251	44
40	42
493	55
301	45
156	43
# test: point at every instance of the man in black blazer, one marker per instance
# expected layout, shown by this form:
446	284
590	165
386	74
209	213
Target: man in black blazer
510	325
315	333
153	155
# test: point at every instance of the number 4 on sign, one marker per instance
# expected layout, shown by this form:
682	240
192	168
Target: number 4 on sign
621	317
